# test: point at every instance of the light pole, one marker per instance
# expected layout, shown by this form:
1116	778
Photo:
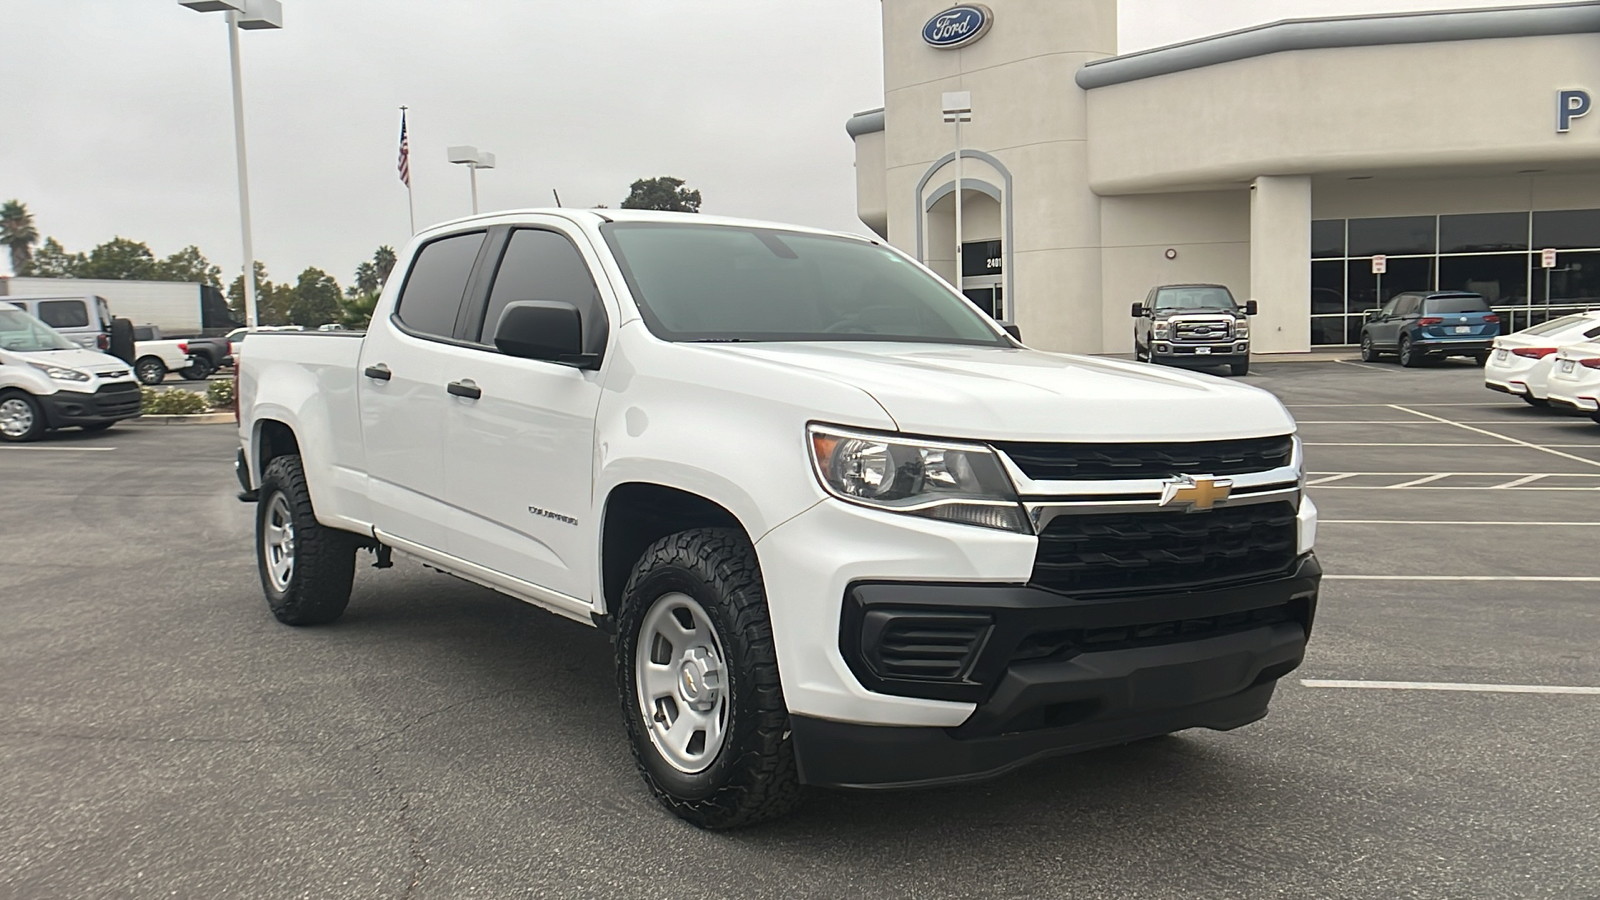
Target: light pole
253	15
474	160
958	109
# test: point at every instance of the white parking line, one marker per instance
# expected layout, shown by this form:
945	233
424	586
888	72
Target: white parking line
1469	427
1450	686
1323	480
1423	480
57	449
1385	405
1560	578
1518	482
1426	444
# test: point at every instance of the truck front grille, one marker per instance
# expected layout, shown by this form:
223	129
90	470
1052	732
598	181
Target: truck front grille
1134	552
1202	330
1109	462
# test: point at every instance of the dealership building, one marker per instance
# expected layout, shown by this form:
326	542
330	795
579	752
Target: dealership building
1455	147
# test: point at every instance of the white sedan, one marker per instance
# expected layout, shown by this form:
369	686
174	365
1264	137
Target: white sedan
1521	362
1575	378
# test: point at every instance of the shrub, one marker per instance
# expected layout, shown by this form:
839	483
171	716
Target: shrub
220	394
174	402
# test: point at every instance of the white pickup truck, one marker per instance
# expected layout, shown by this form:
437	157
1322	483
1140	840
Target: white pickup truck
845	529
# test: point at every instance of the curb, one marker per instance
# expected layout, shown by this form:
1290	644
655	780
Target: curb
196	419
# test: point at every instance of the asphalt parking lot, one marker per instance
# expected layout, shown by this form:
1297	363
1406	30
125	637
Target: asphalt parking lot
163	736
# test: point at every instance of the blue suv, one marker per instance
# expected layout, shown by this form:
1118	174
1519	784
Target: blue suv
1425	325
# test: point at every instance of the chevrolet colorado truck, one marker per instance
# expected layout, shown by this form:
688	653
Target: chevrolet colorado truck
844	529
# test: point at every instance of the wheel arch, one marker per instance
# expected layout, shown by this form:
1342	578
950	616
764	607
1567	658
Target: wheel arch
636	514
273	438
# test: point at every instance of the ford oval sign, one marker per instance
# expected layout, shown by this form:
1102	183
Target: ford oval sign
958	26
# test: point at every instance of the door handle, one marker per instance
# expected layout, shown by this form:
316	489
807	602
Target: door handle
379	372
464	388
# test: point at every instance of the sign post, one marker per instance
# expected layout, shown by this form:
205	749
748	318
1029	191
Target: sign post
1380	265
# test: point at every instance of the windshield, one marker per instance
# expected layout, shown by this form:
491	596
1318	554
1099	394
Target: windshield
23	333
724	283
1194	298
1472	304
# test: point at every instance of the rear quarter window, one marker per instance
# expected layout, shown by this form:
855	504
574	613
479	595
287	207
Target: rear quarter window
64	313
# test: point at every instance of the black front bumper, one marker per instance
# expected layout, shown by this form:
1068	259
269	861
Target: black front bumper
1053	674
109	404
1201	360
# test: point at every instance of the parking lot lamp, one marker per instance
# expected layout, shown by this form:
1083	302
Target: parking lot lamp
473	159
253	15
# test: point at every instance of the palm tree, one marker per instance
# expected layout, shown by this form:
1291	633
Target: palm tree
384	259
18	233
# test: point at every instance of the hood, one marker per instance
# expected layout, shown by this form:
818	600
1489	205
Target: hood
91	361
994	393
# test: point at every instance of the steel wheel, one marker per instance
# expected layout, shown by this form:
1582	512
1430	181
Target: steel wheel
682	683
16	418
277	542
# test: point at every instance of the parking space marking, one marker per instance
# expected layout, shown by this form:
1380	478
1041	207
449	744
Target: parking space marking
1384	405
1422	522
1517	482
1553	578
57	449
1430	481
1419	481
1469	426
1450	686
1329	478
1425	444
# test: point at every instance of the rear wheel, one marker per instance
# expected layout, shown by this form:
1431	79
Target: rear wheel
150	370
1409	357
698	679
307	568
1369	353
199	371
21	418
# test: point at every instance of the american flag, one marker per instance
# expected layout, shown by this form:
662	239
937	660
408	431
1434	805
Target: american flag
405	152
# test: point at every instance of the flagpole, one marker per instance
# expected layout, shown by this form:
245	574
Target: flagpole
411	203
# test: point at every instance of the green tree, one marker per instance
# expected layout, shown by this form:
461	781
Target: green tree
189	264
273	301
316	299
383	260
120	258
665	193
53	261
366	281
18	233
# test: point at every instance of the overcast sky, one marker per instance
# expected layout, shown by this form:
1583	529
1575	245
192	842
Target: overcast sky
115	116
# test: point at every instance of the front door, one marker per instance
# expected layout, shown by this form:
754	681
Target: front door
520	454
402	395
1384	326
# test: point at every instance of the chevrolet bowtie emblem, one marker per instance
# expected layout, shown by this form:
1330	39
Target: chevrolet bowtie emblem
1196	494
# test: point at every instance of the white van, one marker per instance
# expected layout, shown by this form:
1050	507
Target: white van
49	382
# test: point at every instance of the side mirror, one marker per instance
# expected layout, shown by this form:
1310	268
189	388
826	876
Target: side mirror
1374	314
1250	307
550	330
1138	310
1012	330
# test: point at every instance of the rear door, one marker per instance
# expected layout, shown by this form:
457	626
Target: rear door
401	389
520	442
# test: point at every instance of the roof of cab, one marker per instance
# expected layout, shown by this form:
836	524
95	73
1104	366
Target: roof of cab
592	216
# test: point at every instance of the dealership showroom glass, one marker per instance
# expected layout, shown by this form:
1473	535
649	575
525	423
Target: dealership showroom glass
1455	146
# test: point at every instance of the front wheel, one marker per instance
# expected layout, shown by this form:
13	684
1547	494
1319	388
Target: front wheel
1369	353
150	370
307	568
697	675
21	418
1240	368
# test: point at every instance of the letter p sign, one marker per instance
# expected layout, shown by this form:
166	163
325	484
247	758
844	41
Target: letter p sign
1570	105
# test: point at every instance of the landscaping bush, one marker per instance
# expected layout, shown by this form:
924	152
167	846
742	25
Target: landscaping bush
174	402
220	394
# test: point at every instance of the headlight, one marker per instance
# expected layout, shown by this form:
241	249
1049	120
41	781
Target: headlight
61	374
1160	329
934	479
1241	328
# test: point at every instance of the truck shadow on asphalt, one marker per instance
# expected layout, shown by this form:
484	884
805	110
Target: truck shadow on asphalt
556	677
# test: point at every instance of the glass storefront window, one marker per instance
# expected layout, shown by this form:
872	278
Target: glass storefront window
1368	291
1327	239
1566	228
1327	330
1574	280
1392	235
1483	233
1500	277
1327	287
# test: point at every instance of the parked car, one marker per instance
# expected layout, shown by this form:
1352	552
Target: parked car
1420	326
85	320
49	382
1575	378
1193	325
845	529
155	356
1521	361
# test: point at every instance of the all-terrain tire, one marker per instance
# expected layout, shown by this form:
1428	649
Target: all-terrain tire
753	777
322	565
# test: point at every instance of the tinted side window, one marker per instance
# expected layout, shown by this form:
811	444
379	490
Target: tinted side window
544	265
1409	305
143	333
63	313
436	283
